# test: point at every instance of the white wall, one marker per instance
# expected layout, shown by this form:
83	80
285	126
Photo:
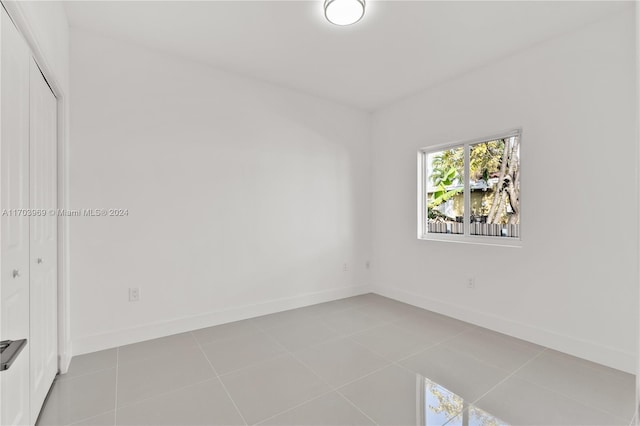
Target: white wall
243	198
572	287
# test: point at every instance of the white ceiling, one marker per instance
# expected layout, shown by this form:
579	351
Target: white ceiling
397	49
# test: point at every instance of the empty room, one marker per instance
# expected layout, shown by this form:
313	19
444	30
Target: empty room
319	212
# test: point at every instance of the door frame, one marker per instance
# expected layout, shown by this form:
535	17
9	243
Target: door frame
19	18
636	420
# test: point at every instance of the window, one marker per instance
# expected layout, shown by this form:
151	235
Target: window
438	406
483	207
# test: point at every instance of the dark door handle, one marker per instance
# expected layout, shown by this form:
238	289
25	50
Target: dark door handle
9	351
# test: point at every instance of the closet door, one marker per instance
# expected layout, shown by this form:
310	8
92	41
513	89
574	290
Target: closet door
14	226
43	236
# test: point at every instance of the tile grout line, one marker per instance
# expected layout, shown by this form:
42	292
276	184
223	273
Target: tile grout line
427	346
285	351
587	364
591	365
149	398
332	388
294	407
218	376
397	364
472	355
224	387
355	406
61	379
550	390
444	342
314	319
254	329
253	364
569	397
84	419
315	316
115	403
336	388
430	347
350	338
468	404
215	372
321	319
513	373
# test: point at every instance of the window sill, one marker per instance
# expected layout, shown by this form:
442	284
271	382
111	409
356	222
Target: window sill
473	239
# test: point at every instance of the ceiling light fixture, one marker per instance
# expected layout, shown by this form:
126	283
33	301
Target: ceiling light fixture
343	12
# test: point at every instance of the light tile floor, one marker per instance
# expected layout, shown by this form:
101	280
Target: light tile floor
364	360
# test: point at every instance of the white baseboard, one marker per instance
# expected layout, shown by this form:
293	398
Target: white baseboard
64	359
608	356
611	357
88	344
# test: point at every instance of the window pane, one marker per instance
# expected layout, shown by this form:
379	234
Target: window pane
440	404
495	188
445	191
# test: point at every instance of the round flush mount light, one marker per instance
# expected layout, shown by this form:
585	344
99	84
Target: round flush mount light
343	12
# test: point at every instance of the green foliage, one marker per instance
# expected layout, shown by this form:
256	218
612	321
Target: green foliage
485	162
444	174
485	159
442	195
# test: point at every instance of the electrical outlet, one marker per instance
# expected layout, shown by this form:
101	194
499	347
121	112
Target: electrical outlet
134	294
345	267
471	283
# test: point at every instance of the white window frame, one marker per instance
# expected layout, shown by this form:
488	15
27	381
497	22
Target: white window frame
423	234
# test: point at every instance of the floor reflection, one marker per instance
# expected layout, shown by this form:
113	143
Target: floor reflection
439	406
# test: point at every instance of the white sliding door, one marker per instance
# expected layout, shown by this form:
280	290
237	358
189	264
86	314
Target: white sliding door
43	236
14	227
